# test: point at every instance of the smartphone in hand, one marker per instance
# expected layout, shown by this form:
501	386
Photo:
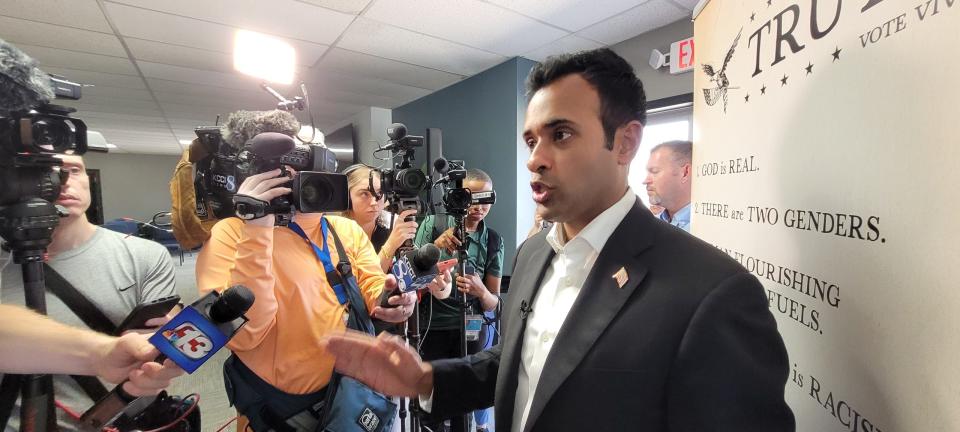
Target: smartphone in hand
138	317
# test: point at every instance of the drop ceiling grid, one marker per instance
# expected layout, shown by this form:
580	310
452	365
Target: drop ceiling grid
172	59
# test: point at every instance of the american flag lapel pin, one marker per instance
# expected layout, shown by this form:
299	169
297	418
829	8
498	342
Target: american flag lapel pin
621	277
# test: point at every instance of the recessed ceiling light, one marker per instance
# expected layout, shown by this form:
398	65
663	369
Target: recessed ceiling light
186	142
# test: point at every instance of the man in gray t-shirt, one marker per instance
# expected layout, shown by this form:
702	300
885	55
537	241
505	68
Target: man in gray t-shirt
114	271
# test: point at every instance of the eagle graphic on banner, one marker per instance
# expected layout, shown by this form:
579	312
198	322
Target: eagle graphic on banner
712	95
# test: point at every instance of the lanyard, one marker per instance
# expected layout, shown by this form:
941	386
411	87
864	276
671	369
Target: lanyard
323	254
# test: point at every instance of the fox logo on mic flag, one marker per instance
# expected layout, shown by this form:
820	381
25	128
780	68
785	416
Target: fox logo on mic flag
189	339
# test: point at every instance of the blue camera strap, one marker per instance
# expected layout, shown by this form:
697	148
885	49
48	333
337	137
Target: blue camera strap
323	254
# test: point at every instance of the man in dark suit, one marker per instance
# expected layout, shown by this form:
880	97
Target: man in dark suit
614	320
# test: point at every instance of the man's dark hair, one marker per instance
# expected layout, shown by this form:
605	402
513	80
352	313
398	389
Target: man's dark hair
682	150
477	174
621	93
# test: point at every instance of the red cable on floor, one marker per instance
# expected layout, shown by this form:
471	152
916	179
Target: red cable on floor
228	423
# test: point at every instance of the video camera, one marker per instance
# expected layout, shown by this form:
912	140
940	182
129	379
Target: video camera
316	186
30	178
402	184
456	198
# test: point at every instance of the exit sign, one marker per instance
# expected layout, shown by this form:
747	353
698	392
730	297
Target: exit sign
681	56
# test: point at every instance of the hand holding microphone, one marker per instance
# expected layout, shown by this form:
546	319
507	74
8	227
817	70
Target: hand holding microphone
404	229
417	269
130	359
189	339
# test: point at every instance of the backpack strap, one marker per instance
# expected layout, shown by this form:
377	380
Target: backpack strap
89	313
493	247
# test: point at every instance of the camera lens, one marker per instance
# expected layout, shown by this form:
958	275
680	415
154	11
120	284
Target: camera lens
320	192
315	191
52	135
458	199
411	180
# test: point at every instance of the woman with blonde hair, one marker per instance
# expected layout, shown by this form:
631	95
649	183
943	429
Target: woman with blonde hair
366	209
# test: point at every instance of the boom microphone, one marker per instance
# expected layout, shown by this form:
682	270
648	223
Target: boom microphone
191	338
22	84
441	165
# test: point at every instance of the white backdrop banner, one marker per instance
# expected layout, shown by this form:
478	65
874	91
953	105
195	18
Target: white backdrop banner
827	161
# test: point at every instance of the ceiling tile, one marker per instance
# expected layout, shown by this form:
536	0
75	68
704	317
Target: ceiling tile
223	99
158	52
107	108
97	78
333	96
198	111
83	14
111	118
641	19
572	15
286	18
196	76
91	98
97	92
175	91
569	44
353	7
371	37
191	33
322	81
469	22
354	63
689	4
18	31
51	57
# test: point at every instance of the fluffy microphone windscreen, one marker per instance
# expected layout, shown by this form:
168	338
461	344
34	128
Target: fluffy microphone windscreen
242	126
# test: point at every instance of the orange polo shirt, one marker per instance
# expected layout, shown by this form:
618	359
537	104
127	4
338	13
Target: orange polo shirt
295	306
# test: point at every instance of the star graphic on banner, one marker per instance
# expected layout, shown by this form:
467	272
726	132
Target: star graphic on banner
763	90
746	98
783	81
752	16
836	54
809	68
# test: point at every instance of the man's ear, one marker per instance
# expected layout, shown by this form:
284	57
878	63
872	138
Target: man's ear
686	172
628	142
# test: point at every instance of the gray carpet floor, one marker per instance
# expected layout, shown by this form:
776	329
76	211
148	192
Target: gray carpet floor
207	381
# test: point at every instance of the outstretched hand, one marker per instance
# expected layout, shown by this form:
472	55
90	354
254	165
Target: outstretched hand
384	363
130	357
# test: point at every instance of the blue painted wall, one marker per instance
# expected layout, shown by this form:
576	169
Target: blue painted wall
481	118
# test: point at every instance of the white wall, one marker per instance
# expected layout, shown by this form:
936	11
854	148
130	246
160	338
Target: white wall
134	185
658	83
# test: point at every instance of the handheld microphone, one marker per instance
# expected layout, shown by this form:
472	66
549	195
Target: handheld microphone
189	339
415	270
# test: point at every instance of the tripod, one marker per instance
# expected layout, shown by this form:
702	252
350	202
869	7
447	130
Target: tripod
460	231
27	227
414	337
411	334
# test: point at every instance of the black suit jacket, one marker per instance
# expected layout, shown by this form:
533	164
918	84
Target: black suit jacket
687	344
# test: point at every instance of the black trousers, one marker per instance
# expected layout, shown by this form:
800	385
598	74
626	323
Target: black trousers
444	344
